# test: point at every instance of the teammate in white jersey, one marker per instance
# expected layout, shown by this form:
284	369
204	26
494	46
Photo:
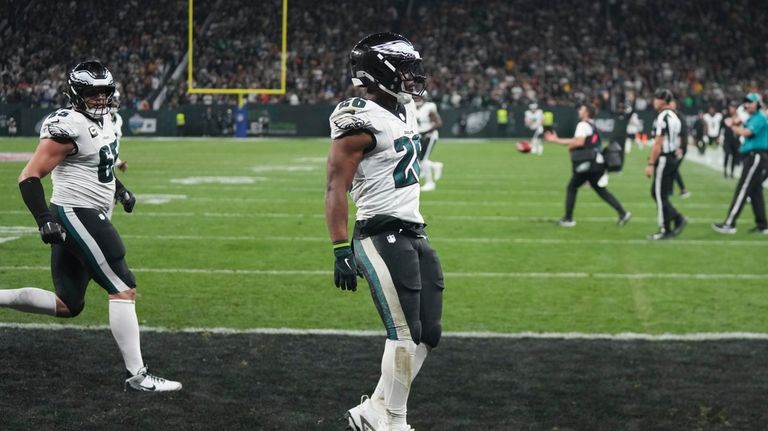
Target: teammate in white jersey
374	154
429	122
712	120
78	147
117	124
534	120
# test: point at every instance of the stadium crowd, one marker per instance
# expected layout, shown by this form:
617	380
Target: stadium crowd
605	52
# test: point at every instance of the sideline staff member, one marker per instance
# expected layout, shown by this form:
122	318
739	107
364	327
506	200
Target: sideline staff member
662	165
588	166
755	155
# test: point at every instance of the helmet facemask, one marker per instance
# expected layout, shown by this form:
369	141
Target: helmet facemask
90	88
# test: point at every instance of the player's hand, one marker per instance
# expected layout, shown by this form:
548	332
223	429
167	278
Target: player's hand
550	135
649	171
345	268
126	198
52	233
123	166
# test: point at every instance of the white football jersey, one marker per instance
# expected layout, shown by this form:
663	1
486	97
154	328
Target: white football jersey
387	178
423	113
534	119
713	123
85	179
117	124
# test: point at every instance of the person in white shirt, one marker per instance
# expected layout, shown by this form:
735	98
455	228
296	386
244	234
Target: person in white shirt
712	122
429	122
534	120
588	165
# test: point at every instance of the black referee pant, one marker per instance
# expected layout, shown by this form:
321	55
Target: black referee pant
592	177
664	173
750	186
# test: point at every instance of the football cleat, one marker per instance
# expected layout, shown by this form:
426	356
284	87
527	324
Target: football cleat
757	229
661	235
362	417
383	425
428	187
685	194
624	219
680	226
724	228
566	222
145	382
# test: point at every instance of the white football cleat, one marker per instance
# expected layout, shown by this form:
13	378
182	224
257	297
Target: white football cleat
437	170
362	417
428	187
145	382
384	425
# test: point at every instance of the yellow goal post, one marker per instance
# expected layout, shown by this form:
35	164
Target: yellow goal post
240	92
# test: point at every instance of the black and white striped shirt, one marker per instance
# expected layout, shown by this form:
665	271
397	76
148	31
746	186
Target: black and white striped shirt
667	124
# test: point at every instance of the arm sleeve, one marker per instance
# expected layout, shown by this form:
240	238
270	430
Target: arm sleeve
756	124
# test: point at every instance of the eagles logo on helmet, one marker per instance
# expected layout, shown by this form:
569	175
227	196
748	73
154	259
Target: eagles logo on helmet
385	61
524	147
85	83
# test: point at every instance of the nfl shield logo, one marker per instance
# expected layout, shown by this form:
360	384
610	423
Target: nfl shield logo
391	239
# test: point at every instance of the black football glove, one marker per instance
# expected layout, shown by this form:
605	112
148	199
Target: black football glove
52	233
126	198
345	268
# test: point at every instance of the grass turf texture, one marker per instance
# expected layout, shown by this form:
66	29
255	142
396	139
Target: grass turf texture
257	255
492	221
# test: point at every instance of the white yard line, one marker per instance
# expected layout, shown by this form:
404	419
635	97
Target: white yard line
624	336
479	274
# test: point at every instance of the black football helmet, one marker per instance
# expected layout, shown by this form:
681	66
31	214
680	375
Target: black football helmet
88	79
385	61
663	94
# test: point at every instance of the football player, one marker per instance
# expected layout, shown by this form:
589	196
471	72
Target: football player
78	147
534	120
429	121
117	124
374	155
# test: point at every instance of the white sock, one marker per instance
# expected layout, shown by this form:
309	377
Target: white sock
426	171
397	367
29	300
377	398
125	329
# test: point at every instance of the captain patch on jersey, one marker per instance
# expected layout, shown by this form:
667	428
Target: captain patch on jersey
86	177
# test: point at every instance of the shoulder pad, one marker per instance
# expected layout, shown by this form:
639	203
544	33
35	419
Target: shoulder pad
62	124
351	114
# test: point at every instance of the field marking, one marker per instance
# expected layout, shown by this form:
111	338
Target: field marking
8	239
622	336
547	219
319	239
476	274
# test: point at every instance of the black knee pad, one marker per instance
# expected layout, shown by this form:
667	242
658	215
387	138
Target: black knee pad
74	307
416	332
431	336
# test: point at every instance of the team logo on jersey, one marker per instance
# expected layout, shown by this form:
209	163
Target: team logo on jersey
94	132
349	122
391	239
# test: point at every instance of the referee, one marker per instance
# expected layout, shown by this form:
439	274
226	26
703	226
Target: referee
662	165
754	153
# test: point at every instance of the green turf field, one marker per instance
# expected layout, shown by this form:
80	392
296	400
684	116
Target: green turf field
231	233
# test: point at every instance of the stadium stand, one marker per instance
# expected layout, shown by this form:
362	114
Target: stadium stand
511	52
